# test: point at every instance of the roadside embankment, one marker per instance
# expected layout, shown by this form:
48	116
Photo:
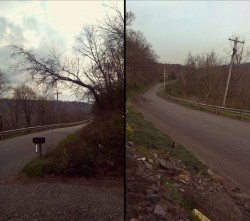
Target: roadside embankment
165	182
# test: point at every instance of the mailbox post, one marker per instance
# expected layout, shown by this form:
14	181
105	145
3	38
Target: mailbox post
38	141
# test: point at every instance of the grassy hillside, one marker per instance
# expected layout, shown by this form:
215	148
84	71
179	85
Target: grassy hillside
96	150
149	139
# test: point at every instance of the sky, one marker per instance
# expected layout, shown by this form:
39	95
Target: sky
41	25
175	28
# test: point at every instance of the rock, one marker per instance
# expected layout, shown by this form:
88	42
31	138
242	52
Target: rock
141	159
150	217
217	179
141	169
140	218
236	189
154	199
157	161
155	189
150	208
130	144
148	191
167	196
183	178
150	161
159	211
247	213
182	190
148	165
163	164
161	170
170	167
155	155
166	157
174	211
158	177
210	173
158	183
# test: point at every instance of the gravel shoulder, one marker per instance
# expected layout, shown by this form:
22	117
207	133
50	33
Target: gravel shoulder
62	199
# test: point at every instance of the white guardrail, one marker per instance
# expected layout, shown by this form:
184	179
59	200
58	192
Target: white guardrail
29	129
216	108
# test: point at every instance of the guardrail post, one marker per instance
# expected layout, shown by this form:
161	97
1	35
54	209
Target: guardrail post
242	116
216	110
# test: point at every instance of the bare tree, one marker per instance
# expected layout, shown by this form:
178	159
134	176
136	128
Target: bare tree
26	97
4	84
140	58
13	113
205	79
97	66
4	87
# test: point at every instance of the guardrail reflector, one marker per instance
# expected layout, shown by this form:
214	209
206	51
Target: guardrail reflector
200	215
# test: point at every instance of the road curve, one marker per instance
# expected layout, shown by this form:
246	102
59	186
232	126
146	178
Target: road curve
16	152
221	143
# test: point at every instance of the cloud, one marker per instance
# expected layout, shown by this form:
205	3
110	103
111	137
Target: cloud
31	33
10	32
43	25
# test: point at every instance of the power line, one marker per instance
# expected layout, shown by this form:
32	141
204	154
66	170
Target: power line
245	34
220	43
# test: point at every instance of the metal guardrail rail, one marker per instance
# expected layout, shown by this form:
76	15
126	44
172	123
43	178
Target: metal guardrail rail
29	129
216	108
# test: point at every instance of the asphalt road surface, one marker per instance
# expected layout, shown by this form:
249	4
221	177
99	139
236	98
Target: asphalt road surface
16	152
221	143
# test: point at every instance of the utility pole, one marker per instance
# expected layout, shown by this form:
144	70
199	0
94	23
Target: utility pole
230	68
164	76
1	124
57	105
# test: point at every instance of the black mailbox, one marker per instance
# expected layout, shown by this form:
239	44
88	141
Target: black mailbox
38	140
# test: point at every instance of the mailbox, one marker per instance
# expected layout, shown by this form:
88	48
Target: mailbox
38	140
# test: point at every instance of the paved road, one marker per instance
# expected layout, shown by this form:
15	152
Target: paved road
16	152
221	143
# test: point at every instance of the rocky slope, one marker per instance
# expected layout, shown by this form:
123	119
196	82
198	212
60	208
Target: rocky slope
160	187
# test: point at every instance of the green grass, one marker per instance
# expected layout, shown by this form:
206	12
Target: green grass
149	139
187	204
172	89
79	154
140	90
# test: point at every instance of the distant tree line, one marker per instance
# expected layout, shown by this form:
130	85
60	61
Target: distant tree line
26	108
204	79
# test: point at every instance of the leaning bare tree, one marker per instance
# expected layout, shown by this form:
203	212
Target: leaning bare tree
96	67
